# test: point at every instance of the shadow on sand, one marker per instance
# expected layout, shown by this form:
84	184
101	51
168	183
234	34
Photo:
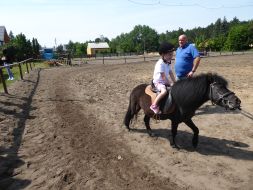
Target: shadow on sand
9	157
207	145
211	109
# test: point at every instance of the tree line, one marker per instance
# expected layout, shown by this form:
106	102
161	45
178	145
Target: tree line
222	35
20	48
219	36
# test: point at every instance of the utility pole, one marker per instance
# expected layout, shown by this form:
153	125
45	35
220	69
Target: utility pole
55	43
144	45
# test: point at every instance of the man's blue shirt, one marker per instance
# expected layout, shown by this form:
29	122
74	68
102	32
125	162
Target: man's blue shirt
184	59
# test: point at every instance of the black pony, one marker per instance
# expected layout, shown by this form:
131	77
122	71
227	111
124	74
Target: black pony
187	96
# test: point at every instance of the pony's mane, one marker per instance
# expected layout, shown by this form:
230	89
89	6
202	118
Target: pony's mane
195	90
209	77
218	79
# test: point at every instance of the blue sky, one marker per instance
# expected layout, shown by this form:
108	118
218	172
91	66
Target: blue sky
83	20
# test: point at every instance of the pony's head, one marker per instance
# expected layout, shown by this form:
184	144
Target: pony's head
220	95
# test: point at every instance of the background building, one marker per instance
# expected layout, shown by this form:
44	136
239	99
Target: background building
4	38
96	48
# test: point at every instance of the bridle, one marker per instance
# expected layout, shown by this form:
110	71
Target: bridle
221	97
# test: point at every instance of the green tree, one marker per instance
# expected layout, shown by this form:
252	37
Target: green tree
11	36
9	51
81	49
59	49
238	38
216	29
24	47
213	37
71	47
140	39
97	40
250	33
20	48
35	48
171	37
144	38
224	28
102	39
235	21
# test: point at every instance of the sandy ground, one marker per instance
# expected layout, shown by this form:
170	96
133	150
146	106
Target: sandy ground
61	128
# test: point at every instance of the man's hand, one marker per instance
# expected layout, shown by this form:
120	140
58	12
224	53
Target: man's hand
190	74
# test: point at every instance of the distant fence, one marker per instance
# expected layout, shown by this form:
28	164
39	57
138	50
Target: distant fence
229	53
106	60
144	58
122	59
28	66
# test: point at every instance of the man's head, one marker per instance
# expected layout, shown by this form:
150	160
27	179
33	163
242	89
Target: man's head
182	40
166	51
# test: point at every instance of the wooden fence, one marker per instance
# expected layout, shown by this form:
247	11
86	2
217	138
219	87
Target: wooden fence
107	60
26	62
145	57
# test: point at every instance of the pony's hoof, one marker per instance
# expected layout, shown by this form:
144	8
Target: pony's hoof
175	146
195	145
195	142
128	128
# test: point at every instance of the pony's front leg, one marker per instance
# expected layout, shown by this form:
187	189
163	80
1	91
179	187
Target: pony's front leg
174	127
147	124
195	130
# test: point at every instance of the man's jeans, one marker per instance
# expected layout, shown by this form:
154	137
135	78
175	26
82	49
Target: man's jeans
9	71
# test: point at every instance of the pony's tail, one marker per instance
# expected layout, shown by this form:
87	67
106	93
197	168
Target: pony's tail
131	112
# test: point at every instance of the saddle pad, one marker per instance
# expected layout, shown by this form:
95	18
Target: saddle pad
149	92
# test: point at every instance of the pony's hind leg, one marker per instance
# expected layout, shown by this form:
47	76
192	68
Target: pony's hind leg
132	111
128	117
195	130
147	124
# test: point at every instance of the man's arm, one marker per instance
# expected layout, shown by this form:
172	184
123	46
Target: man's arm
195	64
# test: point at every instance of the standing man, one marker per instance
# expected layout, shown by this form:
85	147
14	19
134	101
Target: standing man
187	59
69	59
6	64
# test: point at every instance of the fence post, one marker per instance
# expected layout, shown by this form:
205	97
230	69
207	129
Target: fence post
3	81
144	57
103	60
27	67
30	66
20	70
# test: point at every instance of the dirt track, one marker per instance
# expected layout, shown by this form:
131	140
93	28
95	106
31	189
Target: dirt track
61	128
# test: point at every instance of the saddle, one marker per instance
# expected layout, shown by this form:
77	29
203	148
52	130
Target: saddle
166	104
